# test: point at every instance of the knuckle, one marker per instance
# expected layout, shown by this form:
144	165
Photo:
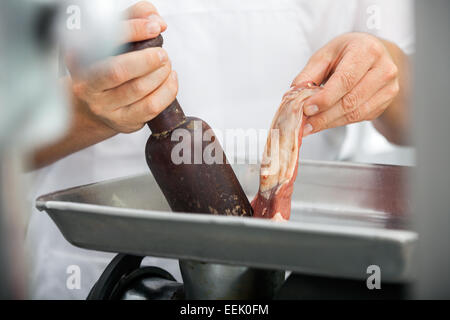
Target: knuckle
347	79
152	57
375	47
320	123
391	72
135	29
349	102
137	88
394	89
117	73
173	87
353	116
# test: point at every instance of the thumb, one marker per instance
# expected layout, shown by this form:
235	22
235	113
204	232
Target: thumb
315	71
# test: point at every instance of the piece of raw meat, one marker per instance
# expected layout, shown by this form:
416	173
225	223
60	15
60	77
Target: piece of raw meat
280	159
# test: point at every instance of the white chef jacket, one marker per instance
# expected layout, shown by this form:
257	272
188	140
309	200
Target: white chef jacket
234	59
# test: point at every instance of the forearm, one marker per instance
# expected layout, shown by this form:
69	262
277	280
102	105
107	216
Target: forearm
84	131
394	123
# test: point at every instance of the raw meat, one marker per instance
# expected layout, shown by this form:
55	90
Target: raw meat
280	159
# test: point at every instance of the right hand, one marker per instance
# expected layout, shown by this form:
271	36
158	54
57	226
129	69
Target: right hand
124	92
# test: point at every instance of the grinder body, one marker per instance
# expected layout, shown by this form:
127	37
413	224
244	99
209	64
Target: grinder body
195	186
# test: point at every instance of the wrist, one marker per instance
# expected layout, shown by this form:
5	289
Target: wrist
394	122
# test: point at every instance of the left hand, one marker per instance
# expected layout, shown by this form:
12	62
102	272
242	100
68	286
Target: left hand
360	81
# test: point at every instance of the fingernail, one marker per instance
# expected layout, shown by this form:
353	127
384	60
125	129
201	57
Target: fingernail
307	129
162	55
162	22
311	110
174	75
157	18
153	28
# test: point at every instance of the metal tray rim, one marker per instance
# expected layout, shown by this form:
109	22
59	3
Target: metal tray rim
45	197
402	236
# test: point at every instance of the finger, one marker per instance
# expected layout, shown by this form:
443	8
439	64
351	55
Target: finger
145	10
365	111
153	104
142	9
141	29
161	21
135	89
348	73
344	120
315	70
373	81
384	98
117	70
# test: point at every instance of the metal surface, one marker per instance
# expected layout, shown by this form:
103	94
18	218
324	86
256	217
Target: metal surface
211	281
344	218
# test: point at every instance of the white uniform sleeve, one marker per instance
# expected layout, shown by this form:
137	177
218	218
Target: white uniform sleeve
392	20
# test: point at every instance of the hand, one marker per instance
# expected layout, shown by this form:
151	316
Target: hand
360	81
124	92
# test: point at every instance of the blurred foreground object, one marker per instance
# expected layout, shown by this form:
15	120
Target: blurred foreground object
33	108
432	133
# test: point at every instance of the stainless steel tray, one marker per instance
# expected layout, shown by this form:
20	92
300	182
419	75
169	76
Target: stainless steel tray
345	217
